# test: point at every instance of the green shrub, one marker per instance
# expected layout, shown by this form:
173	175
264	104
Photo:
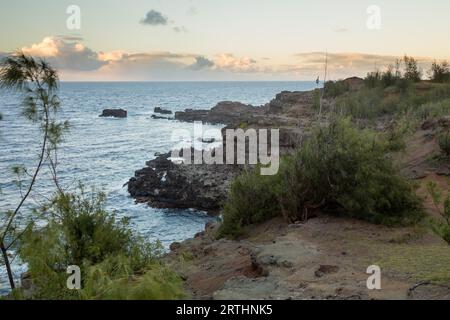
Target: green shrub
345	170
440	227
114	262
412	71
334	89
433	109
316	99
440	72
252	199
365	103
444	142
340	169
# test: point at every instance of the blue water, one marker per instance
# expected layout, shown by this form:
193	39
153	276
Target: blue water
104	153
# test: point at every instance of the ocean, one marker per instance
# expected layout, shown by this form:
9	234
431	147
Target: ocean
104	153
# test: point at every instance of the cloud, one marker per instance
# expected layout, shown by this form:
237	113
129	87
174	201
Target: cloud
75	61
65	55
201	63
180	29
230	62
154	18
341	65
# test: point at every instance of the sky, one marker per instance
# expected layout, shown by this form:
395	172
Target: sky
207	40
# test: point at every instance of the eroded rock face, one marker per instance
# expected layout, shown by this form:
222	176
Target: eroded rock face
114	113
165	184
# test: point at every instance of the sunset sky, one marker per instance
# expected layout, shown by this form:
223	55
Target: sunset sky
173	40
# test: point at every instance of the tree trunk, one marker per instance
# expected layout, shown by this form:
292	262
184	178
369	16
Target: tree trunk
8	266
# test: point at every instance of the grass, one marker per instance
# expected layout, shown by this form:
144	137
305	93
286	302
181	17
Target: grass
423	262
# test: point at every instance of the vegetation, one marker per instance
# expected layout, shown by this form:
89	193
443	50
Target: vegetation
38	82
440	227
334	89
115	263
440	72
74	229
340	169
444	142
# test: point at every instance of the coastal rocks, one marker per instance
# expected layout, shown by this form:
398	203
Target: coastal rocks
226	112
114	113
162	111
164	184
155	117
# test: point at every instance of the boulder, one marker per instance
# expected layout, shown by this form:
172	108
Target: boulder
161	111
115	113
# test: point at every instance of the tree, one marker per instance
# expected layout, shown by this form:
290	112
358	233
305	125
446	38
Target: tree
38	82
440	72
412	71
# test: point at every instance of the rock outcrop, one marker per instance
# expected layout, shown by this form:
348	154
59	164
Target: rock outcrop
226	112
163	183
162	111
166	184
114	113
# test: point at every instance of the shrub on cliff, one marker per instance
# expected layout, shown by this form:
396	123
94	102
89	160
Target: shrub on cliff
340	169
334	89
253	198
345	170
115	263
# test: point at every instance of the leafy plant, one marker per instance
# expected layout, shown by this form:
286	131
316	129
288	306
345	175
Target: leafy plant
115	263
38	82
440	227
340	169
440	72
444	142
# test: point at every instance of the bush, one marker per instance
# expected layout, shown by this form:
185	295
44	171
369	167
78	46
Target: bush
444	142
340	170
345	170
365	103
440	227
334	89
253	198
372	79
412	71
115	263
440	72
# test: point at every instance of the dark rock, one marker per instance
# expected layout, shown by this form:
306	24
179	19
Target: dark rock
325	269
175	246
429	124
164	184
154	116
162	111
228	113
115	113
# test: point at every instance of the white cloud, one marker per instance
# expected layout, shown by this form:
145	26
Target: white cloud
66	55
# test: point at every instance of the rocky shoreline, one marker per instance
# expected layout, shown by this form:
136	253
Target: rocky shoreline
165	184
